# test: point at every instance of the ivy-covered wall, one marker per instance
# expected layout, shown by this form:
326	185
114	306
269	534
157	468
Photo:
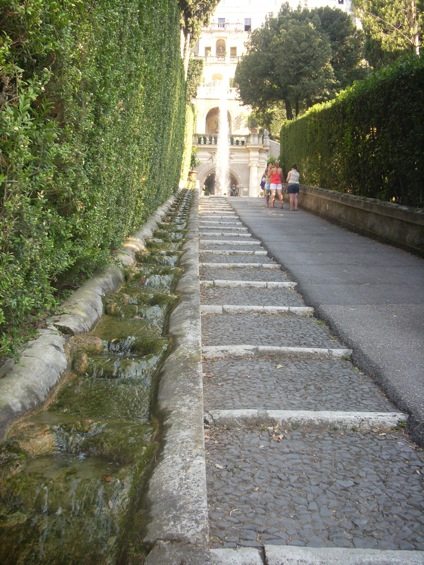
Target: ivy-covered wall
368	141
92	111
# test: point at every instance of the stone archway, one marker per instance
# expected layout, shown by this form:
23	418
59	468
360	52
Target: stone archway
212	121
207	182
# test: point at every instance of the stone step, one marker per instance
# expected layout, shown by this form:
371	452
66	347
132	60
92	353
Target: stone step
229	242
266	329
223	233
232	267
292	555
289	380
253	309
233	251
246	296
218	351
306	486
271	272
316	419
250	284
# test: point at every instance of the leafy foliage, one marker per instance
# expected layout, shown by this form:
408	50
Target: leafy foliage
392	29
300	57
369	140
194	76
91	139
195	14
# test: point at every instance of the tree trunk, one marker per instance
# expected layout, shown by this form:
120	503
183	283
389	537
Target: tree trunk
289	109
186	53
414	27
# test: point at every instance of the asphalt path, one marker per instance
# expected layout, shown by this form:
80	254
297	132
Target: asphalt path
370	294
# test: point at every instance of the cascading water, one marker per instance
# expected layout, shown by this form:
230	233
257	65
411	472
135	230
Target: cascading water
222	180
73	474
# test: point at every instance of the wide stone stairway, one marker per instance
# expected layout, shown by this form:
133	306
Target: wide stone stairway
306	459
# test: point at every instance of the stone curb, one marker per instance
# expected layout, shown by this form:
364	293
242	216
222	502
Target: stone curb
214	351
238	309
178	528
291	555
233	252
231	241
274	266
250	284
25	384
363	421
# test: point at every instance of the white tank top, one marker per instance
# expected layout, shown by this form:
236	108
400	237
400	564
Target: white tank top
294	177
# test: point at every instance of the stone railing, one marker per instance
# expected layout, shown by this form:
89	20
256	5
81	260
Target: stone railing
399	225
213	139
233	140
214	92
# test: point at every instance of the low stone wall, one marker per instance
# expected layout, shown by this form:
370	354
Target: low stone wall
398	225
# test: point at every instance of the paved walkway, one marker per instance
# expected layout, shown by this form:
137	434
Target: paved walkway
305	459
371	294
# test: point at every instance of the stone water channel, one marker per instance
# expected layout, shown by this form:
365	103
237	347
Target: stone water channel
73	473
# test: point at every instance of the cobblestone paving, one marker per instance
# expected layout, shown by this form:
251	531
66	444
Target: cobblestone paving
285	330
253	296
234	258
274	382
303	485
219	246
322	488
247	273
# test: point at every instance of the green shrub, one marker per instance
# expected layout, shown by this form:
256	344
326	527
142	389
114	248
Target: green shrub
92	112
368	141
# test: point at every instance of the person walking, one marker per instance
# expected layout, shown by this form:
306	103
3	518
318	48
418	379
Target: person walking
293	187
267	188
276	185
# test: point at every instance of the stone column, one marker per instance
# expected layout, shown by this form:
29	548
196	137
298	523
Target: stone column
254	180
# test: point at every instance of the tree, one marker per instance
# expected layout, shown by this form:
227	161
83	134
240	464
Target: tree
194	15
392	28
288	59
347	45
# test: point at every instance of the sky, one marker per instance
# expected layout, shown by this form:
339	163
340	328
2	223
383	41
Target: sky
237	10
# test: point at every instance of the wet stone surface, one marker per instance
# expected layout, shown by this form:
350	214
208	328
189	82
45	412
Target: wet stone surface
289	383
243	274
284	330
316	488
250	296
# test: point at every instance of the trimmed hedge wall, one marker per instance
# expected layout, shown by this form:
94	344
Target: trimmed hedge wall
368	141
92	112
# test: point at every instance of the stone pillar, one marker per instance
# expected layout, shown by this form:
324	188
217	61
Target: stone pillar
254	179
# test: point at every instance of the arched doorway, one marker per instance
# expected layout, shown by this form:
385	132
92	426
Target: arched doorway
233	185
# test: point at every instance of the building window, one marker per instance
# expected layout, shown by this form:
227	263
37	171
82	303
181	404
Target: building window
207	51
233	51
221	22
247	24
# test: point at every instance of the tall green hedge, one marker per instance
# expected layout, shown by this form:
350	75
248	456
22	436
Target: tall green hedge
368	141
92	111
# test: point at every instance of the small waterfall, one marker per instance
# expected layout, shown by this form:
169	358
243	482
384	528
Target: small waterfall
222	179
